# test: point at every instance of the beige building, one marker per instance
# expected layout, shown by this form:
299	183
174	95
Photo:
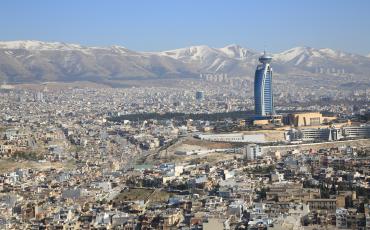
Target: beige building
214	224
322	204
308	119
305	119
292	192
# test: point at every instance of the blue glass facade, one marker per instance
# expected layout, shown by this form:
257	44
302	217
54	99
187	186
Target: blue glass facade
263	96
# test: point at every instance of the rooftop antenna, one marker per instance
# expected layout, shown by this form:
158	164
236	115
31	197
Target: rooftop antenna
265	58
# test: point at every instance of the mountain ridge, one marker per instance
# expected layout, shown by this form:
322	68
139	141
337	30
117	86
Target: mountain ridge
37	61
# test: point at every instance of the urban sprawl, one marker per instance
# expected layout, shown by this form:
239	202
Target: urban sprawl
207	153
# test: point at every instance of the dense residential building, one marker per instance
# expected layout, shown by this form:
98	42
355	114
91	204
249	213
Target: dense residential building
125	158
194	138
253	152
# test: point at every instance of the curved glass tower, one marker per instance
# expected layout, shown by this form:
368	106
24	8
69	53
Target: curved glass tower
263	98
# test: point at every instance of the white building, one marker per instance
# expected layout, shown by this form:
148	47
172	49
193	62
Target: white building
341	215
233	137
356	131
253	152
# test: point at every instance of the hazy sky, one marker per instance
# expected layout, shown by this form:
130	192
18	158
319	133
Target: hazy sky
154	25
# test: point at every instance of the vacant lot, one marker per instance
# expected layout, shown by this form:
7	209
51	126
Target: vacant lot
9	165
132	194
208	144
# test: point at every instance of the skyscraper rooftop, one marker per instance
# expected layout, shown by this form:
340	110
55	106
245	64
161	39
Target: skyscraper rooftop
265	58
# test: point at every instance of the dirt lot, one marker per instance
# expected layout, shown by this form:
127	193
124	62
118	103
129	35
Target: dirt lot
11	165
207	144
153	195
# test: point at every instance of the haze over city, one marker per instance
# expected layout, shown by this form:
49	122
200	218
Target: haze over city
185	115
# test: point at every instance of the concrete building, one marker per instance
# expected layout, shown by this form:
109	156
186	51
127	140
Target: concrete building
199	95
253	152
322	204
313	134
356	131
341	215
233	137
305	119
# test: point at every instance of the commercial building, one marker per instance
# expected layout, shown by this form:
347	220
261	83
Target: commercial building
232	137
199	95
356	131
315	134
308	134
328	134
263	95
305	119
266	120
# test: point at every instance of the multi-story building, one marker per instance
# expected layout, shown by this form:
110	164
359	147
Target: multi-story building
199	95
232	137
309	134
356	131
322	204
263	96
328	134
253	152
367	216
305	119
341	216
315	134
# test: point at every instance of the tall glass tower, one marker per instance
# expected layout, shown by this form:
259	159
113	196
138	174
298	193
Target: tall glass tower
263	97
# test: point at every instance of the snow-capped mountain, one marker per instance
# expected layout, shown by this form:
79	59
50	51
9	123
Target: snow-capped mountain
28	61
204	53
232	59
36	61
38	45
307	60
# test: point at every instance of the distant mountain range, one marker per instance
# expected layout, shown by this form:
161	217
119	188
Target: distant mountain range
36	61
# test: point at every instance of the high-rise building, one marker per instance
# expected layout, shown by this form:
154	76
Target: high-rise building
263	96
199	95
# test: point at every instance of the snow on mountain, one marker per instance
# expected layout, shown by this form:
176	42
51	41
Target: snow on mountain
232	59
334	53
32	45
201	53
194	53
22	61
38	45
312	61
235	51
299	54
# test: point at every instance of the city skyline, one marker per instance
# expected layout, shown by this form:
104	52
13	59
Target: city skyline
164	25
202	132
